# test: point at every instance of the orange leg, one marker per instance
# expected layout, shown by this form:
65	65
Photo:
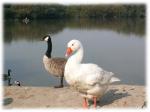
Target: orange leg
85	103
95	99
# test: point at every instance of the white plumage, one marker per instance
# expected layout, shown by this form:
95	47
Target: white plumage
89	79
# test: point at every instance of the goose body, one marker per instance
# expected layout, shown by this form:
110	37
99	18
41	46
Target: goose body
53	65
89	79
7	77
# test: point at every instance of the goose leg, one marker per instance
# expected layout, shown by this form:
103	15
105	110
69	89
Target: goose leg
9	84
95	100
61	83
9	81
85	105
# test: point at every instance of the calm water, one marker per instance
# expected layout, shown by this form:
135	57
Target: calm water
116	45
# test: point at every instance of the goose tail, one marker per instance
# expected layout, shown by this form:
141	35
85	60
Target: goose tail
114	79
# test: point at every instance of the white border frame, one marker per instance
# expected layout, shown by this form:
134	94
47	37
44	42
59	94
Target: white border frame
68	2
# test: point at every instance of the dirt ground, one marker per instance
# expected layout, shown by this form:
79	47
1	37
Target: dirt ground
117	96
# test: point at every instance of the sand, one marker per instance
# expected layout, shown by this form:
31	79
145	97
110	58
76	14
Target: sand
117	96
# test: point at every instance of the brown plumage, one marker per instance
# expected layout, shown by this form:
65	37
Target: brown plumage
54	65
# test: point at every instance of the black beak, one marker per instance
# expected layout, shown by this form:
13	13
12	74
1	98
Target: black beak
43	38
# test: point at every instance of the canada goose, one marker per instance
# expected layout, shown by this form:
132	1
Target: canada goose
7	77
54	65
18	83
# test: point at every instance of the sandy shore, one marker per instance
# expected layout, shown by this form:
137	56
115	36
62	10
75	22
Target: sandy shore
118	96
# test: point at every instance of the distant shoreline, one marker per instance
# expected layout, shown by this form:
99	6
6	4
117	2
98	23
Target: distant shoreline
118	96
55	11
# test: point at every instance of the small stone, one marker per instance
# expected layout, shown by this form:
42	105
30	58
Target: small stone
47	105
132	88
123	89
124	103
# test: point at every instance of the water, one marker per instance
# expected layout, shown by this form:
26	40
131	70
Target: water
115	45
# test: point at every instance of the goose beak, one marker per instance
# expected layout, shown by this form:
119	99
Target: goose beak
43	39
68	52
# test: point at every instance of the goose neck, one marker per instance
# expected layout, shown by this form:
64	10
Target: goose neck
76	58
49	49
8	73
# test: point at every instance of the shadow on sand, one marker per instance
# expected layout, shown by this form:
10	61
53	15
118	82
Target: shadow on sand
111	96
7	101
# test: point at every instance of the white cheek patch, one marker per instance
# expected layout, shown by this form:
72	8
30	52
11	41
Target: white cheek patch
46	38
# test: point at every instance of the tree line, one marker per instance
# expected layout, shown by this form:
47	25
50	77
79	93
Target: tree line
56	11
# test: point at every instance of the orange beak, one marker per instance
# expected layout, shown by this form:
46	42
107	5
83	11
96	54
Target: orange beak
68	52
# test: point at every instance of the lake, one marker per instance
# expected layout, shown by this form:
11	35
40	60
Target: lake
115	45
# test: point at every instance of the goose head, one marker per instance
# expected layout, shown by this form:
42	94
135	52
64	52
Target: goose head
72	47
47	38
18	83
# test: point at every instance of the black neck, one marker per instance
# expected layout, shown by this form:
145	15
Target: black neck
8	73
49	49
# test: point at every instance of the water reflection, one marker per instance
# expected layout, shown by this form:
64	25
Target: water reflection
114	45
15	30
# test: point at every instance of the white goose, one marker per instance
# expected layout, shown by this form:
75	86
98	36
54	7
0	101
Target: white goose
89	79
